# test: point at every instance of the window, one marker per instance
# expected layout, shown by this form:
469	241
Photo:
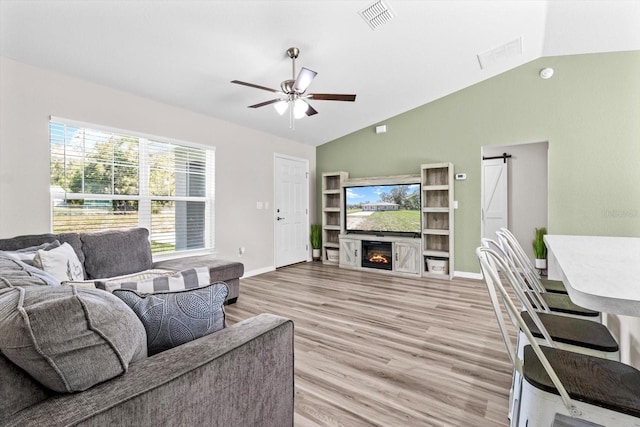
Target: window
109	179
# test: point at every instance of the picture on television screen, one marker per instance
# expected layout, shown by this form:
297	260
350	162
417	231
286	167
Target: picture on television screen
379	209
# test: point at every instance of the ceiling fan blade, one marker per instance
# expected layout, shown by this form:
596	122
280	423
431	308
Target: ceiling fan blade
262	104
310	111
238	82
305	76
332	97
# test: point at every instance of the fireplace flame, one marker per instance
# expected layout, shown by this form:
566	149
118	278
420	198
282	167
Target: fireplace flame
379	258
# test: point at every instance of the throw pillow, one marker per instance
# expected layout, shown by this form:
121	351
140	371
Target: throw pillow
114	282
174	318
62	263
160	281
16	273
27	255
68	338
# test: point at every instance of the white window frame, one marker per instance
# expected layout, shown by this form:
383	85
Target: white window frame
143	197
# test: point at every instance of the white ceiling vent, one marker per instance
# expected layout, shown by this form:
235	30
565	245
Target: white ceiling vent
377	14
500	53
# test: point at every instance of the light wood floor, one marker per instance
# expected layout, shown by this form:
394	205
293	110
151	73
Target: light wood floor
379	350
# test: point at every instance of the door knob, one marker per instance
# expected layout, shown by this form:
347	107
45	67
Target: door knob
279	218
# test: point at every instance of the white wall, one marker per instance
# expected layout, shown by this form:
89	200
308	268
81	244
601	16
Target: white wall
244	157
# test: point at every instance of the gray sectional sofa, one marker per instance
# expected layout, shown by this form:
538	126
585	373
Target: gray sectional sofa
119	252
241	375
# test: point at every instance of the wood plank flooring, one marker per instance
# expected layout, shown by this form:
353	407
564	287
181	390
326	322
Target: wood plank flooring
379	350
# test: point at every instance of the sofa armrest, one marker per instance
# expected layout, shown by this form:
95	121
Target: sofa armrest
241	375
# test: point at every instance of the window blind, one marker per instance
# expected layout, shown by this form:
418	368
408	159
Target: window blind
105	178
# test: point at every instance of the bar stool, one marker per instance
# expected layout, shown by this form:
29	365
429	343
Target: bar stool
556	381
552	286
541	299
568	333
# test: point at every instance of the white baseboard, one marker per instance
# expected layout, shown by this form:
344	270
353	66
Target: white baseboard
257	271
462	274
467	275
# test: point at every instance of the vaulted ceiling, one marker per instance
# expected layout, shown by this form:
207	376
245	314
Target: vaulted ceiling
185	53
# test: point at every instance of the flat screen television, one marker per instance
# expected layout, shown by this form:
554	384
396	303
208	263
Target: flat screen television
390	209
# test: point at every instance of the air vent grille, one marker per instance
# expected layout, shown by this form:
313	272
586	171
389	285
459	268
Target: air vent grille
500	53
377	14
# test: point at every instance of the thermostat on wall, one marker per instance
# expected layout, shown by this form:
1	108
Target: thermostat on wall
461	176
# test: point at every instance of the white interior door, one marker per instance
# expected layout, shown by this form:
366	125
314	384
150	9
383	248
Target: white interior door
291	210
494	197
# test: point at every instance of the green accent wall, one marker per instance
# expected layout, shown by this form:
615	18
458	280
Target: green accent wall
589	112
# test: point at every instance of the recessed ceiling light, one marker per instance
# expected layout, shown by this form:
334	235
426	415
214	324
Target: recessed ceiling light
377	14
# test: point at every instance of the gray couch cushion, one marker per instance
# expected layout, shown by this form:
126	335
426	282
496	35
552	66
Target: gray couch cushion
116	253
174	318
220	270
69	338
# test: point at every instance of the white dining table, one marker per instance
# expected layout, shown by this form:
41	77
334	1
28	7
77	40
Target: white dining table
600	273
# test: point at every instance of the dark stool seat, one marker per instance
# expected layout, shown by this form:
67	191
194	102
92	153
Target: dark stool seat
553	286
570	330
562	420
563	304
593	380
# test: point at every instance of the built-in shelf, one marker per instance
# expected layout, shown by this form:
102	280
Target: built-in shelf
437	220
423	256
332	218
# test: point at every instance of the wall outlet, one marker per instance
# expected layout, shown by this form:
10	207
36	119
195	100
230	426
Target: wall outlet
241	251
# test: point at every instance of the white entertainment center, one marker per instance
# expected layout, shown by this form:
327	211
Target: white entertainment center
405	252
427	254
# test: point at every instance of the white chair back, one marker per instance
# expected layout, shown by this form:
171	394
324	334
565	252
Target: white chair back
520	265
489	260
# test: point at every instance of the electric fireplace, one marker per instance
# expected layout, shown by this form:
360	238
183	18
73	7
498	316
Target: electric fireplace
377	255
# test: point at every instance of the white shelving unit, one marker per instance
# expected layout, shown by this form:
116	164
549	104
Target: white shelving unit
437	219
332	216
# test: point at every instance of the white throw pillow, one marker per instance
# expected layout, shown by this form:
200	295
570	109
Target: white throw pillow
62	263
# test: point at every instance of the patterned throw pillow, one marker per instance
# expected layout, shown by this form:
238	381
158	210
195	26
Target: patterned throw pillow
174	318
62	263
151	281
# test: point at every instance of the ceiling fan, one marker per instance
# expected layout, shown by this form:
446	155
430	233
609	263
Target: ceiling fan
293	96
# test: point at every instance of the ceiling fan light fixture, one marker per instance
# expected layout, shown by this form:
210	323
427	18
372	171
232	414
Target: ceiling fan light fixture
293	92
300	108
281	107
304	79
